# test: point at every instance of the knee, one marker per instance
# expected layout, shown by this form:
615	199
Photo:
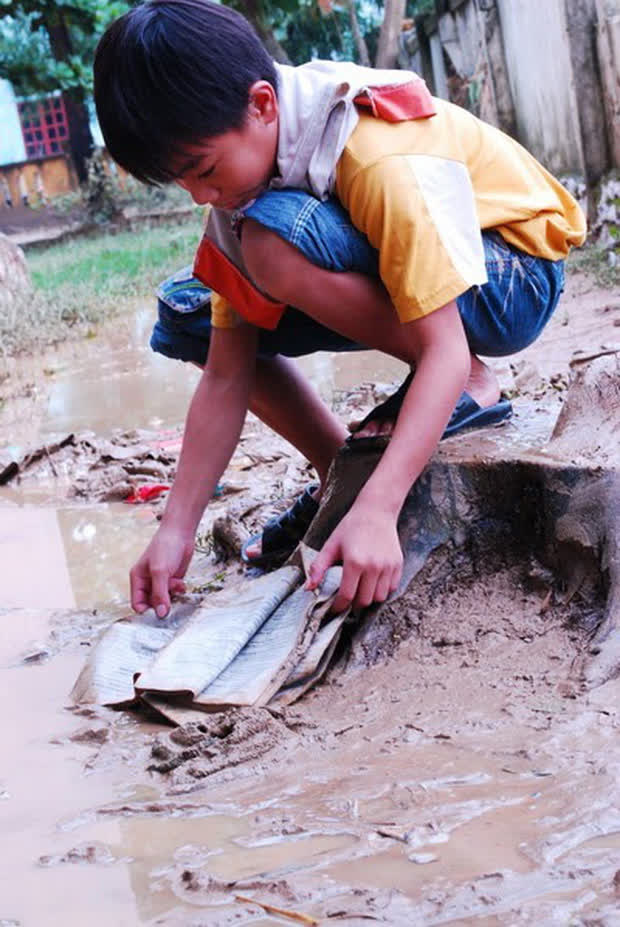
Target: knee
265	257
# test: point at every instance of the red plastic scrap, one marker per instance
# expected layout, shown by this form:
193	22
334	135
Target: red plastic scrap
146	493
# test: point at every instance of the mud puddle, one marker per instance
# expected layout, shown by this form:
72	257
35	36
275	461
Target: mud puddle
109	385
68	557
465	778
114	381
451	784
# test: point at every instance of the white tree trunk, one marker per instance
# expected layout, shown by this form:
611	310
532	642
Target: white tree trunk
14	277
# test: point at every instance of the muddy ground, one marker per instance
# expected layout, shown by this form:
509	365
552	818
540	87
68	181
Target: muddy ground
460	773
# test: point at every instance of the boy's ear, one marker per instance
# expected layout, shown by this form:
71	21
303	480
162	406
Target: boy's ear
263	103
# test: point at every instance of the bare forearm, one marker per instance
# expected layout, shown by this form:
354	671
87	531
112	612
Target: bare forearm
213	426
212	430
423	416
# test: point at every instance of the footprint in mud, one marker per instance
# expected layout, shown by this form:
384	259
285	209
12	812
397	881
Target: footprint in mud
201	748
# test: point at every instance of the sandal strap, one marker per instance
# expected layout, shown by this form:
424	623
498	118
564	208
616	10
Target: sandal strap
387	410
283	531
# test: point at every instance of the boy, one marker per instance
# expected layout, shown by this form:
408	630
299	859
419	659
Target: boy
470	232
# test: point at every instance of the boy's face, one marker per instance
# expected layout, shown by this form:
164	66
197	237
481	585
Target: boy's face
232	169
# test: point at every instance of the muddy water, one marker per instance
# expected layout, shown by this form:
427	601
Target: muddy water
452	786
113	382
74	556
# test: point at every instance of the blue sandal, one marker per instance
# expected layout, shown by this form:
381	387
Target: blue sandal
282	533
467	414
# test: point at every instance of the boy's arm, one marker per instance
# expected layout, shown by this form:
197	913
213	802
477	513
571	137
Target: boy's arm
421	214
214	422
366	540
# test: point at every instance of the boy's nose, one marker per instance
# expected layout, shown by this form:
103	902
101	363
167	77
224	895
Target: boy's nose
202	194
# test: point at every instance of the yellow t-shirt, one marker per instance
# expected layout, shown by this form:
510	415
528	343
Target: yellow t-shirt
422	190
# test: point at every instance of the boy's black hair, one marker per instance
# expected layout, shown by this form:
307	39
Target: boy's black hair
171	73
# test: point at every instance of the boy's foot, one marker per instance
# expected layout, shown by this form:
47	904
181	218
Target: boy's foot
481	404
282	533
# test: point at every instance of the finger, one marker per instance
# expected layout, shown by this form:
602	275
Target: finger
348	588
397	573
366	589
384	586
160	598
327	556
140	588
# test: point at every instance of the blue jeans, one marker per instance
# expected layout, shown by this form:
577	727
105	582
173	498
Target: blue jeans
501	317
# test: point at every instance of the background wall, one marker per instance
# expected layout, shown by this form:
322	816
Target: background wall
545	71
541	81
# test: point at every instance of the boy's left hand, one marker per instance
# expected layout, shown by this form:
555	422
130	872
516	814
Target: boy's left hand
366	543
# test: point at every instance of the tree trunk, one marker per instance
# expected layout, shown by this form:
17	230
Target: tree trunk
80	137
360	42
608	49
253	12
561	505
387	49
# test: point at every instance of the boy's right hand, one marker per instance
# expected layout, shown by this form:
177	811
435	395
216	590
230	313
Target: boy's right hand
159	572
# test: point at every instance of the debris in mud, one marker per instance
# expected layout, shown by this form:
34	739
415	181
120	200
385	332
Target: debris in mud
91	735
423	858
100	470
486	539
200	883
12	469
197	881
94	853
37	655
228	536
280	912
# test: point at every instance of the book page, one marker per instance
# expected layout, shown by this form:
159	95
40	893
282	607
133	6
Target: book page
217	632
250	676
124	649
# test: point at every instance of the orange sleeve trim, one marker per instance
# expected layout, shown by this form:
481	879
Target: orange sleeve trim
215	270
398	102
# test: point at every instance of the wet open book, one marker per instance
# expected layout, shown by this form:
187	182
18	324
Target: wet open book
262	641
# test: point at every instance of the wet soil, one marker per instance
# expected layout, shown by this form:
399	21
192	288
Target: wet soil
459	774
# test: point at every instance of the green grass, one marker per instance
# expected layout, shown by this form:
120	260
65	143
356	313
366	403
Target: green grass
111	265
82	282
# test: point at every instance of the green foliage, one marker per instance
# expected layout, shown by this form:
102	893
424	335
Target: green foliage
24	54
311	33
47	45
314	34
106	267
420	7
